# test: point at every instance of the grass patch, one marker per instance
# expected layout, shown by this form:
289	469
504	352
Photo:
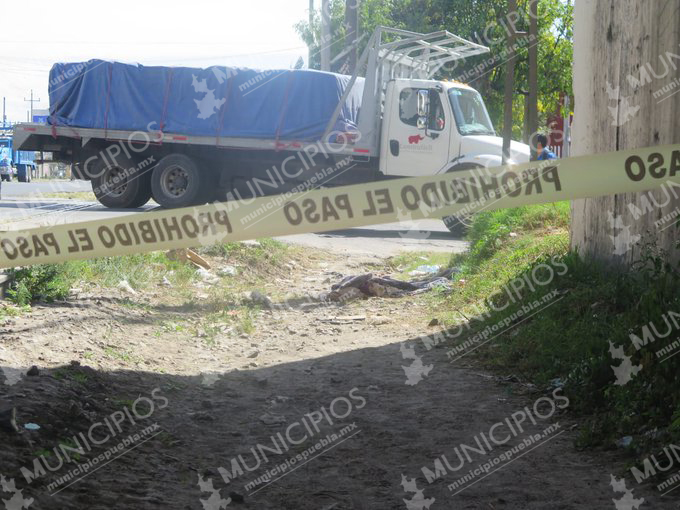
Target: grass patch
138	270
70	373
39	283
592	309
503	245
168	326
264	256
8	310
490	231
192	306
246	321
53	282
119	355
599	311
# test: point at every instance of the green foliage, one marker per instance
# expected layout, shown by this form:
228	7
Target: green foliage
496	257
483	22
39	283
569	339
490	229
267	253
52	282
138	270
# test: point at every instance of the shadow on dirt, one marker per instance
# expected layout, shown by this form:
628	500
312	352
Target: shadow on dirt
336	432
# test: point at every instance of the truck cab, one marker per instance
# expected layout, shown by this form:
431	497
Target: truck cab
432	127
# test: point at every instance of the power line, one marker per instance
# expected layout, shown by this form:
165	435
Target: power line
32	101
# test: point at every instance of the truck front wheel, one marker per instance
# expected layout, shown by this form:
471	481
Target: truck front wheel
457	225
121	185
176	182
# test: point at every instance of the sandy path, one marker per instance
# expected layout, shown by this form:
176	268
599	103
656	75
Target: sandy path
318	384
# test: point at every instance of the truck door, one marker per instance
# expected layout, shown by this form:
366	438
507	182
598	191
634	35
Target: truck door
414	145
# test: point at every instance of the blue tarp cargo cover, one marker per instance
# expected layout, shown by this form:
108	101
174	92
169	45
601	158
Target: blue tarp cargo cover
217	101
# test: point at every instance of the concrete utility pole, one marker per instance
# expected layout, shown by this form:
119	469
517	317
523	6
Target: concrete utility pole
31	101
618	109
352	34
4	117
325	47
532	110
509	87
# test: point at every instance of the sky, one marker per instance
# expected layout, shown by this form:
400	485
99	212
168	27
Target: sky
193	33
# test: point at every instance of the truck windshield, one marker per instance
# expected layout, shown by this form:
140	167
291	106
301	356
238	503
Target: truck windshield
470	112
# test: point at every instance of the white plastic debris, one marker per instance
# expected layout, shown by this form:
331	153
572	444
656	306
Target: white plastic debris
227	271
125	287
624	442
207	276
425	270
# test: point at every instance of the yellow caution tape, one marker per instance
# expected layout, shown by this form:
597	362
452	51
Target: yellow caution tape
462	192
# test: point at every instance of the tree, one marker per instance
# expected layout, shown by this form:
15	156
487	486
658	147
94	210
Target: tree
483	21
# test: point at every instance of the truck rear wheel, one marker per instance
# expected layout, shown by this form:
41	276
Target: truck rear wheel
176	182
121	185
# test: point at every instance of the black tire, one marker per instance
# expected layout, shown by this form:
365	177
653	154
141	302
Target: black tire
26	177
121	185
455	226
177	182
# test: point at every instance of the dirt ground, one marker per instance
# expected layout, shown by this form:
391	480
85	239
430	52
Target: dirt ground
307	407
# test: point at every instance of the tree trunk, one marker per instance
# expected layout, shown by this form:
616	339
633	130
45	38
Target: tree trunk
624	84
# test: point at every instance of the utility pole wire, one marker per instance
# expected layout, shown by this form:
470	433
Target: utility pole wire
509	86
31	101
311	25
532	120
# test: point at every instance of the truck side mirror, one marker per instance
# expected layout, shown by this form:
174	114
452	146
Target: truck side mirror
421	122
423	102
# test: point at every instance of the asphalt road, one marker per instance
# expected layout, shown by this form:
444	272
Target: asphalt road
17	189
21	207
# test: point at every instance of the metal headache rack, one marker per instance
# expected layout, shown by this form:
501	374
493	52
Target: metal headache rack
435	50
392	53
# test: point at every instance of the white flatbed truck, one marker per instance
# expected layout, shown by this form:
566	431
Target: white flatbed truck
408	125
